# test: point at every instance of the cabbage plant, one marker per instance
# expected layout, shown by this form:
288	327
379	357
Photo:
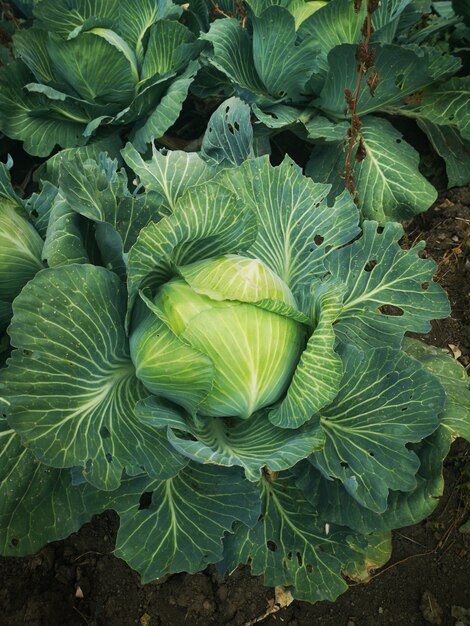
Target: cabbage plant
228	373
96	68
293	65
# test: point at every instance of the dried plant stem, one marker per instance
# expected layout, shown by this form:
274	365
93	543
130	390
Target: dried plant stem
365	61
9	15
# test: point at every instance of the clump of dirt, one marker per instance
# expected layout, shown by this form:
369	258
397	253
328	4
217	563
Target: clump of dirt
79	582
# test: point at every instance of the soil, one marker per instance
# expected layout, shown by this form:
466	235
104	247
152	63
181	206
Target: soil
78	581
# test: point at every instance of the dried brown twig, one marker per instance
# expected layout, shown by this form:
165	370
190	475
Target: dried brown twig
365	57
7	13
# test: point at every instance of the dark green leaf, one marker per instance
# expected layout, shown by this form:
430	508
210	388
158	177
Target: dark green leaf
70	384
228	140
385	401
389	290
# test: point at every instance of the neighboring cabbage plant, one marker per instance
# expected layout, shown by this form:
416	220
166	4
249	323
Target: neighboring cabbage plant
293	66
20	247
93	68
227	374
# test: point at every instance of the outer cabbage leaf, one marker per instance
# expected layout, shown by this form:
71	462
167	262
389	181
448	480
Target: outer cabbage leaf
334	502
64	16
318	374
228	140
233	55
389	185
455	151
334	24
385	401
49	171
282	61
70	385
168	175
65	241
388	290
296	228
402	70
177	525
166	112
6	188
446	104
99	191
20	121
453	377
336	505
251	444
39	503
376	554
291	546
20	250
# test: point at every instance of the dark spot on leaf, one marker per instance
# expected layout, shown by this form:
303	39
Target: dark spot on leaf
104	432
145	500
380	229
344	464
271	546
15	542
369	266
299	559
371	454
390	309
398	140
109	457
405	408
309	568
237	126
289	556
230	129
425	285
318	239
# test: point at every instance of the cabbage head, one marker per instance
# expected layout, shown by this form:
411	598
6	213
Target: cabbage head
220	308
